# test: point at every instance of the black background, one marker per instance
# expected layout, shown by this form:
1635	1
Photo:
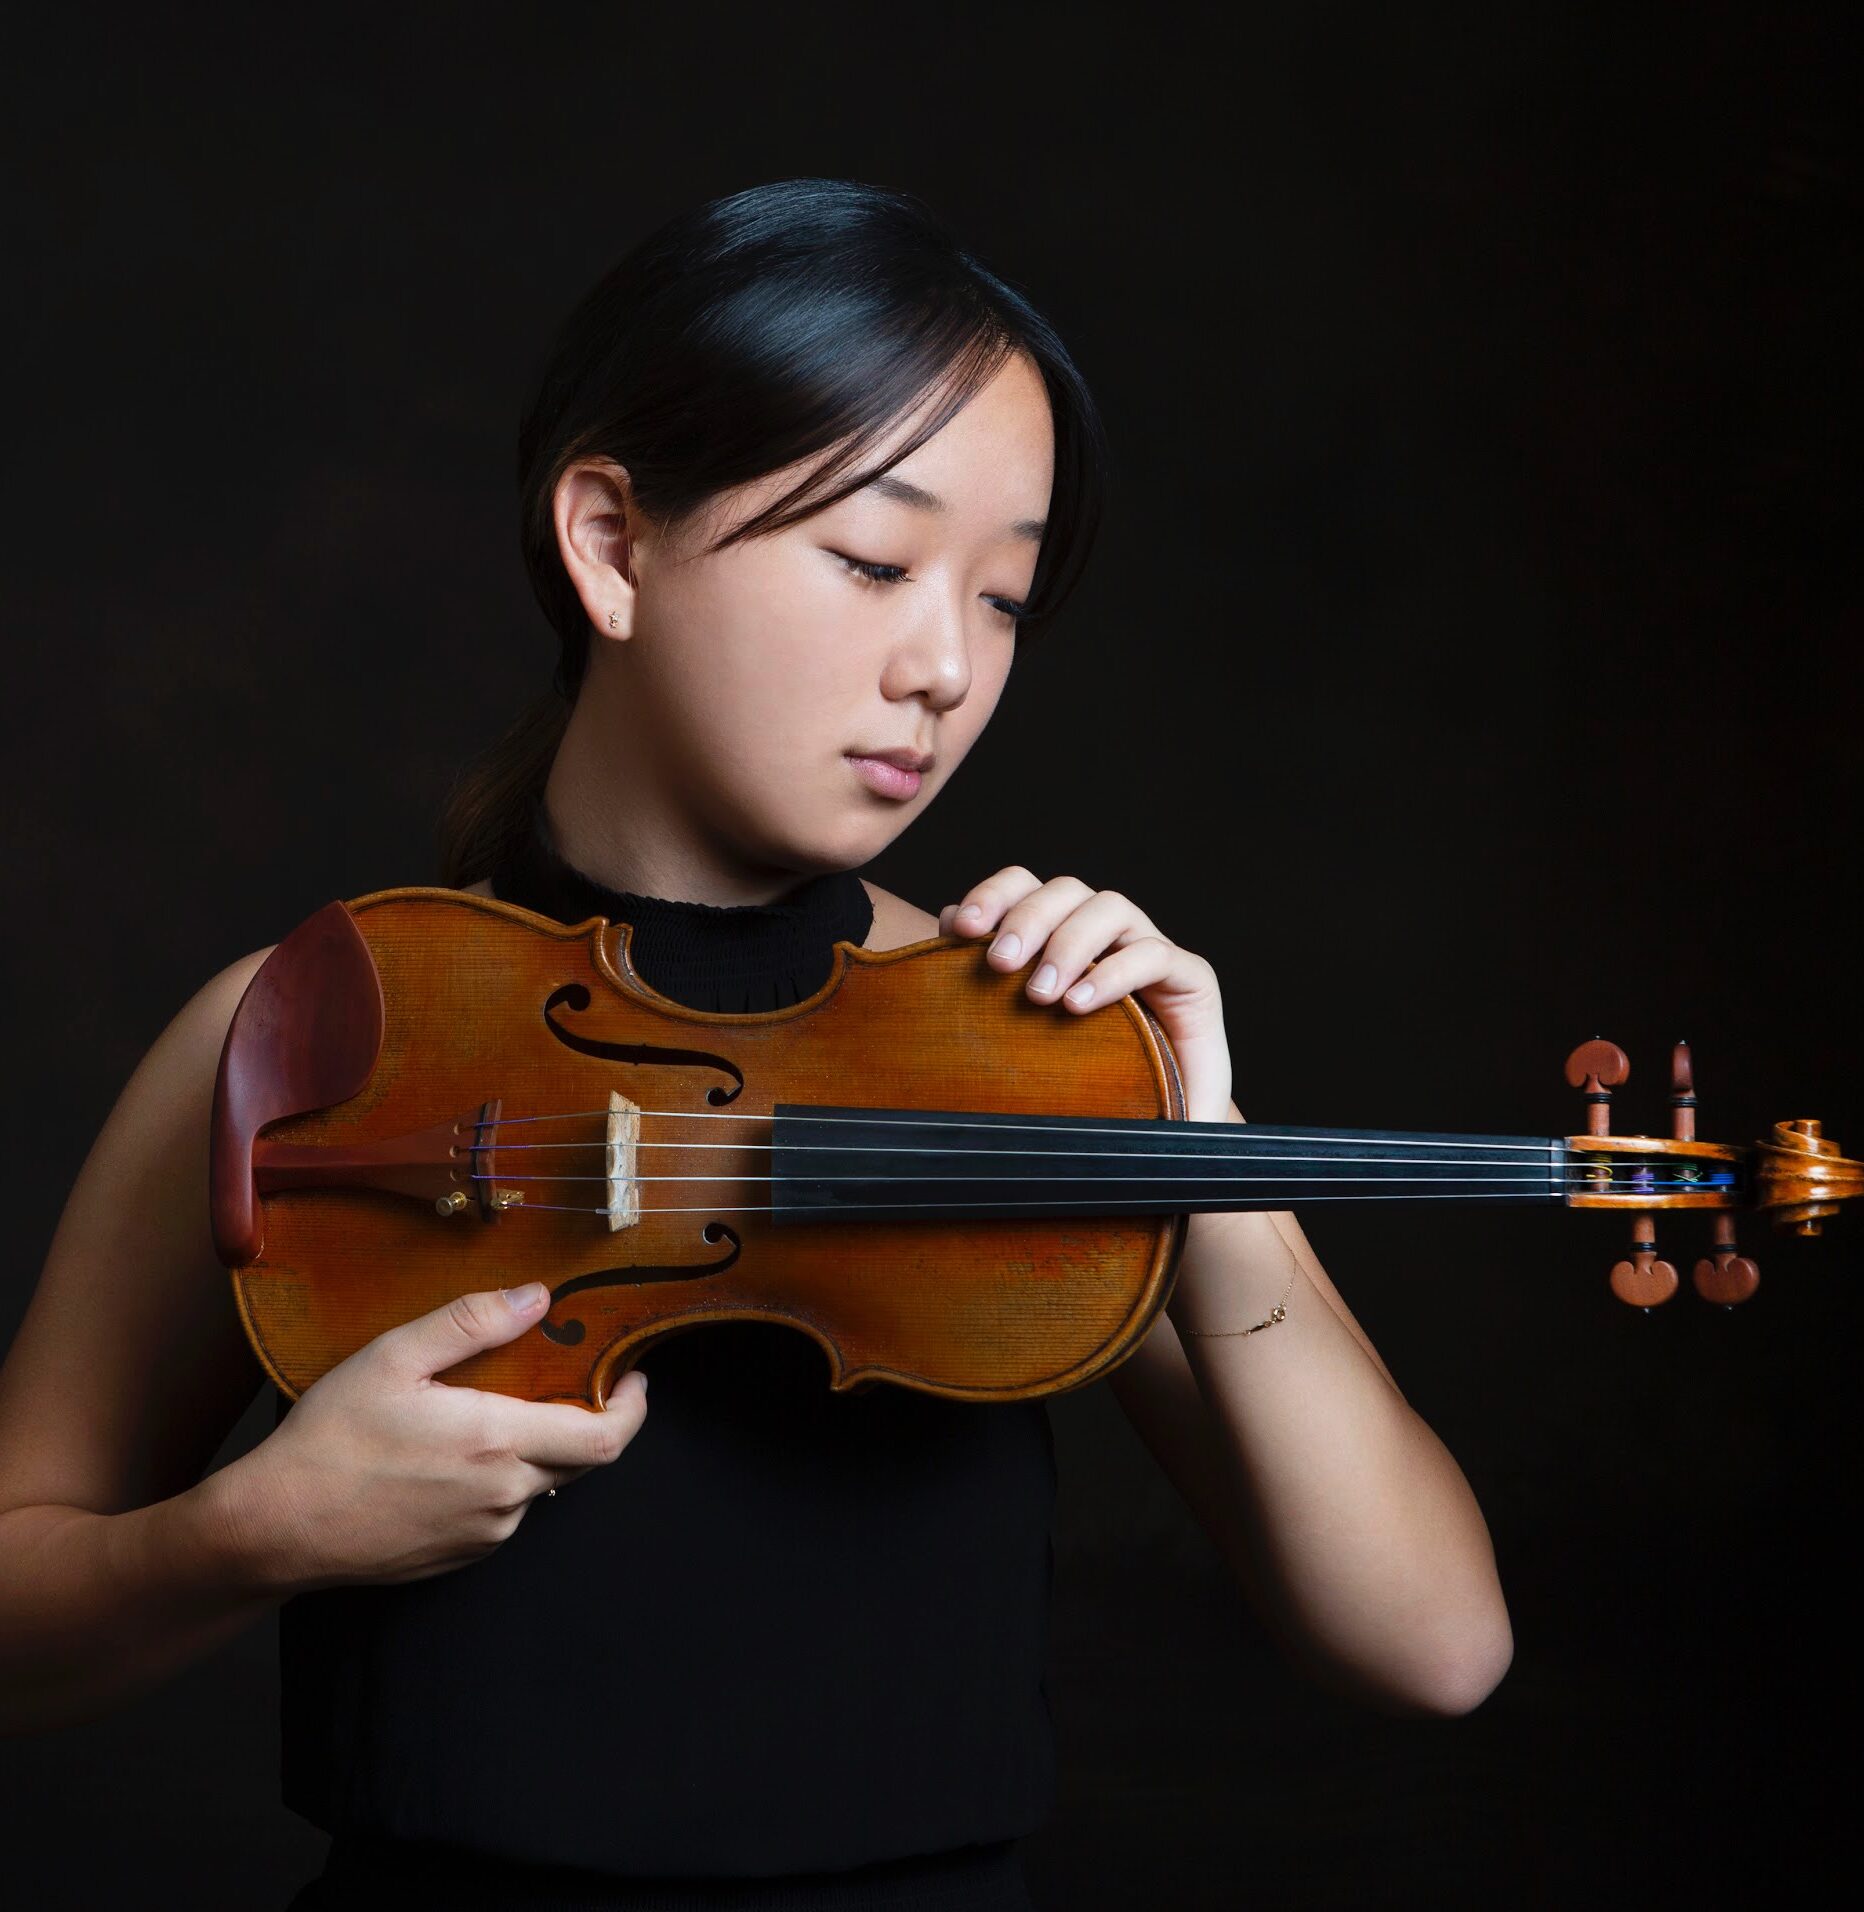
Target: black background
1470	667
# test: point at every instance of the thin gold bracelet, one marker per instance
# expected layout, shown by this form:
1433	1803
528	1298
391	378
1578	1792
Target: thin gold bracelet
1277	1313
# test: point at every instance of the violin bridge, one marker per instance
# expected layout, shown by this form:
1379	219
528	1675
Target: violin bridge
623	1133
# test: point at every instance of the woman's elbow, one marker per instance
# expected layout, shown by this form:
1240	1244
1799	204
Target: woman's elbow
1469	1669
1419	1677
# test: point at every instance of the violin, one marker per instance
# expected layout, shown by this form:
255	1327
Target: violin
424	1092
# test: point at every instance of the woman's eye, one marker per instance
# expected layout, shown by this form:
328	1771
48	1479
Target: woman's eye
878	573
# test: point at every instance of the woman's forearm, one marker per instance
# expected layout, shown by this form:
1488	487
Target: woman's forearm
1369	1548
96	1608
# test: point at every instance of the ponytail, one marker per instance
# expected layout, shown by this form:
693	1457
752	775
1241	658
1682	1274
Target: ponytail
489	808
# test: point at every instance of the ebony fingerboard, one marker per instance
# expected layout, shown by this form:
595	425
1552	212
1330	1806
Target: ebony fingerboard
901	1164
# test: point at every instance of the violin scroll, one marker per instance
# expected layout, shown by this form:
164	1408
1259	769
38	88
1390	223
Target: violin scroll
1800	1178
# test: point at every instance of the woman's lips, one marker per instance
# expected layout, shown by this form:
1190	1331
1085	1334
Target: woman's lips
888	779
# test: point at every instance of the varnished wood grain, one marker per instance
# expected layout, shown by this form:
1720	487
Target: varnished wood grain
978	1310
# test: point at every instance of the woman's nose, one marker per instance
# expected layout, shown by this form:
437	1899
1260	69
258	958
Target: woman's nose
937	655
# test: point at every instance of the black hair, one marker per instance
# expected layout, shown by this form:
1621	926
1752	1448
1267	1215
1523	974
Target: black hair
797	320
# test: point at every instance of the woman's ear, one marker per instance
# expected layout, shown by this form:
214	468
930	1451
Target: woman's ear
598	528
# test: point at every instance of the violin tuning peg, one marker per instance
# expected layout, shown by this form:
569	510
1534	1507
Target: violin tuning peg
1644	1281
1682	1095
1597	1067
1724	1276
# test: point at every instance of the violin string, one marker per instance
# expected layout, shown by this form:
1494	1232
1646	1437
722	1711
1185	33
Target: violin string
1544	1179
1534	1157
1045	1127
1525	1152
845	1208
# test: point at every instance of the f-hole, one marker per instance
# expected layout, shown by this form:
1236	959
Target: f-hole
568	1333
576	996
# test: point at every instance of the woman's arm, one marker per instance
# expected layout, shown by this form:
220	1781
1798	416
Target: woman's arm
96	1608
127	1373
118	1564
1344	1517
1342	1514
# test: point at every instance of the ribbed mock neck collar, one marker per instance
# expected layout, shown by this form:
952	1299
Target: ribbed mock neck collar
729	958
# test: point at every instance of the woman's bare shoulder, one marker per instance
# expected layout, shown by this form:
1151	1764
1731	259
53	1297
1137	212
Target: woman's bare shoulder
896	921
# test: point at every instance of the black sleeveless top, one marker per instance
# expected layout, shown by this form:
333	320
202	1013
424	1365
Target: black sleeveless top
791	1640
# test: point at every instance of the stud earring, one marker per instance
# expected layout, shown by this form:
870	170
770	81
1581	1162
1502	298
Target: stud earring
611	620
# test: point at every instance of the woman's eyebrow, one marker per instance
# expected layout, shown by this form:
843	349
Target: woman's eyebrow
922	500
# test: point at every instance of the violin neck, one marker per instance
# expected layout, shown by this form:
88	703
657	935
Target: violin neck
914	1164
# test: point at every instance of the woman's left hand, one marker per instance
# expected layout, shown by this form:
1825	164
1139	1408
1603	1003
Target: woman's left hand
1100	941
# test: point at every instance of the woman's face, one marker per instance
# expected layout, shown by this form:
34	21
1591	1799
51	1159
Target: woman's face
750	679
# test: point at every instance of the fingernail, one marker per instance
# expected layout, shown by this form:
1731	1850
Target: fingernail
1044	978
1009	945
1081	992
525	1300
971	913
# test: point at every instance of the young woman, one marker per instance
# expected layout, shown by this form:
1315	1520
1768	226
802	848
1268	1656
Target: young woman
799	479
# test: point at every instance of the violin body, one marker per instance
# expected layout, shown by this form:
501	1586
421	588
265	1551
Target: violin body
409	1070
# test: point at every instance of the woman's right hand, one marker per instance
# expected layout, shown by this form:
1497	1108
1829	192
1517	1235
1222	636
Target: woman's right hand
382	1473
